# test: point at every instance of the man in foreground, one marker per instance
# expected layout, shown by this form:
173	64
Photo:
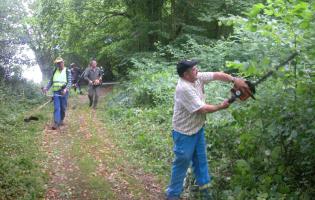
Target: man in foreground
60	83
189	118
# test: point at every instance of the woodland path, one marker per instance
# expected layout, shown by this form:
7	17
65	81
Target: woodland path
83	162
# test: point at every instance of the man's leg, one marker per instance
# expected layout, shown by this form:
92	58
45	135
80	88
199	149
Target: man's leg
57	105
184	146
97	93
90	95
63	107
74	86
200	165
79	88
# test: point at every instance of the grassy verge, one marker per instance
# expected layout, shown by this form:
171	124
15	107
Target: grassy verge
21	175
144	134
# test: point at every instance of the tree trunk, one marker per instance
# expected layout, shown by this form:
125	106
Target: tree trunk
44	61
154	14
173	20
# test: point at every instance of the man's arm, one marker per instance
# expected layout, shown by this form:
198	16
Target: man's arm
209	108
48	86
50	82
86	75
194	104
69	80
221	76
239	83
100	74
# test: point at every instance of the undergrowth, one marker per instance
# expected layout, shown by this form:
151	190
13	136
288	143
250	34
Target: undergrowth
21	175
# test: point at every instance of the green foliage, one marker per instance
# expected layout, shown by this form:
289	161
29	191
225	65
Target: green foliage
267	138
20	171
270	135
261	149
144	136
11	39
113	32
155	82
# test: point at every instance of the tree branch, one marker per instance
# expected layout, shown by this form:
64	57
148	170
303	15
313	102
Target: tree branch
110	15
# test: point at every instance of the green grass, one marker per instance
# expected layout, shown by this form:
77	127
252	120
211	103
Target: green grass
87	164
21	174
144	135
81	151
100	188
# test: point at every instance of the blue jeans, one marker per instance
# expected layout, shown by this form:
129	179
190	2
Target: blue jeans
60	106
187	150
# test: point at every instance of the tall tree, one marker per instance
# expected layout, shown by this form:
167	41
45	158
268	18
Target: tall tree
11	37
113	31
44	30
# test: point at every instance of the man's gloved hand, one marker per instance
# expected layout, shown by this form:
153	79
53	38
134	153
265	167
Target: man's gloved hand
243	87
225	104
64	91
44	90
96	82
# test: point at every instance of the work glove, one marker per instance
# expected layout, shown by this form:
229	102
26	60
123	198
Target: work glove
64	91
225	104
44	90
96	82
244	87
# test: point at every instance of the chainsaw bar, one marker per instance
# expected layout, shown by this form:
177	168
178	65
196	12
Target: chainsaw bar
237	94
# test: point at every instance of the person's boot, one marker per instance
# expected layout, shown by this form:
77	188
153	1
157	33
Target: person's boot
90	100
54	127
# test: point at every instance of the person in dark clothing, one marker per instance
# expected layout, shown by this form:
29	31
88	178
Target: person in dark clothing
93	75
75	73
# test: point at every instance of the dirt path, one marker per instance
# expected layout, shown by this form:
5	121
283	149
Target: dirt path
83	163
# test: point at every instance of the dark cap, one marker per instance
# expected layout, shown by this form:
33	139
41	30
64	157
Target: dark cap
183	65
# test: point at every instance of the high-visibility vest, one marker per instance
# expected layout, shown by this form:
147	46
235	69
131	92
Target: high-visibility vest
59	79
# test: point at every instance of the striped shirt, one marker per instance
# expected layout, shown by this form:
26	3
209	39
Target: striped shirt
189	97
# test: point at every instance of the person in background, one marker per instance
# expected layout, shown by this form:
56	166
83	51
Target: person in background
93	75
189	117
75	73
60	83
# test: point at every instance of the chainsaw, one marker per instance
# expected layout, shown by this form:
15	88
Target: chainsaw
97	82
236	93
